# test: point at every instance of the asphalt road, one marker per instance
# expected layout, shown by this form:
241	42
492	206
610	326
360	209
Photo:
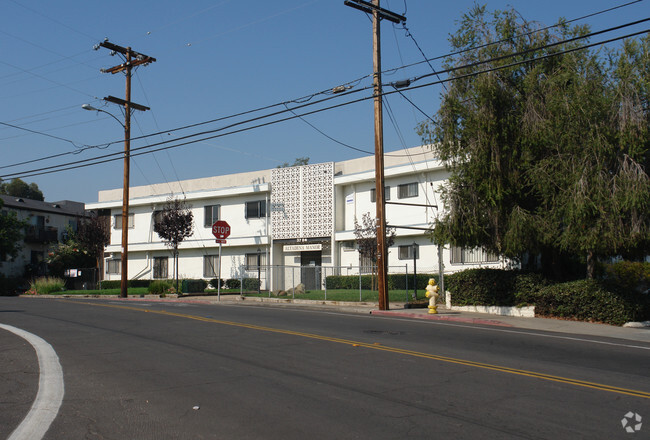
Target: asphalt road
137	370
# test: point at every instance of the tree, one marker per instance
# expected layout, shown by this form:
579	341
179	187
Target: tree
541	157
11	234
93	235
69	254
296	163
174	226
18	188
366	238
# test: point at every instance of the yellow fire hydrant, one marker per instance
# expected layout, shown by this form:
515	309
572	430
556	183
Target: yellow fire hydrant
432	294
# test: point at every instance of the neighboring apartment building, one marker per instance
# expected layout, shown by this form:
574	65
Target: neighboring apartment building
298	222
47	224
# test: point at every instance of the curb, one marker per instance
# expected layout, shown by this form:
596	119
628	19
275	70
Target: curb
440	317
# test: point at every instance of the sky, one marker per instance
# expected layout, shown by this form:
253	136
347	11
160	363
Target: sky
216	59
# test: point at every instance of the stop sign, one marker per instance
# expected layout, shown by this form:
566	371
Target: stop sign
221	229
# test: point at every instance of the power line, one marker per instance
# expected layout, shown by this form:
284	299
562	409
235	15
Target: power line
48	170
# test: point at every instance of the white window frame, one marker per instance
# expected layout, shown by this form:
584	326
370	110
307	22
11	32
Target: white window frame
118	221
208	215
407	190
210	266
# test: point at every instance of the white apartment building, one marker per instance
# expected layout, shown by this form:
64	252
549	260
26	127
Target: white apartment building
298	222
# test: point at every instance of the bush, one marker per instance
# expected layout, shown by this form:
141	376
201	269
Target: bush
193	286
630	275
216	282
45	286
9	286
160	287
233	283
494	287
251	284
591	300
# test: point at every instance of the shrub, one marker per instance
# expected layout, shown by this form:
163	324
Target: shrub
46	285
233	283
194	286
9	286
216	282
591	300
159	287
251	284
630	275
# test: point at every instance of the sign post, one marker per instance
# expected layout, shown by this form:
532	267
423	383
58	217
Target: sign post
221	230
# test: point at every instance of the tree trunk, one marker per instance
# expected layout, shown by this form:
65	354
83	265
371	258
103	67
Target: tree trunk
591	265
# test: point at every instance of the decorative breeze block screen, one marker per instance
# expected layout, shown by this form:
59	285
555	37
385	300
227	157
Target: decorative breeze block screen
302	201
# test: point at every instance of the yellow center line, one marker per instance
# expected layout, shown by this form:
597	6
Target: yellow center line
374	346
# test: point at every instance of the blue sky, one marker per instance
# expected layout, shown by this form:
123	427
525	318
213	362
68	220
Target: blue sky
216	58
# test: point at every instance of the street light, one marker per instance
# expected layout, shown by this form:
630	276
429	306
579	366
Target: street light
125	196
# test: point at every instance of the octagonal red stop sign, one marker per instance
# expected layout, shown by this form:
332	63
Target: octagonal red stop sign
221	229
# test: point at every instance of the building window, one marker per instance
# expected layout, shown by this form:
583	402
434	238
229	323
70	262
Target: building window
251	261
118	221
211	215
113	266
407	190
210	266
256	209
157	217
460	255
406	252
160	267
373	194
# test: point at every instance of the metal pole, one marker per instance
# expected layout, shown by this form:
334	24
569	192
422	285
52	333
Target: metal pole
259	278
219	276
415	275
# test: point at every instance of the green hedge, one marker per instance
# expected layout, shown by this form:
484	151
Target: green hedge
193	286
493	287
233	283
590	300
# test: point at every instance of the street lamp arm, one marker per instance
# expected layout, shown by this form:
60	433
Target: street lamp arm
91	108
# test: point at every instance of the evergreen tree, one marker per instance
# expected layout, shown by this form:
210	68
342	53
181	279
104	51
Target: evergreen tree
548	156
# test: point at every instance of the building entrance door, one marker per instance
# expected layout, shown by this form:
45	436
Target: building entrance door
310	271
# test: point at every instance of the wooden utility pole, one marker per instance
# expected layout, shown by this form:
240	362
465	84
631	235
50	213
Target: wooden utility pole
382	253
132	59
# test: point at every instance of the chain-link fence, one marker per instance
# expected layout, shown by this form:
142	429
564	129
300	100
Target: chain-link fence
333	282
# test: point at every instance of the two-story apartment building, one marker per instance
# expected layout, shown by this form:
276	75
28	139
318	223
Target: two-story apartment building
47	224
298	222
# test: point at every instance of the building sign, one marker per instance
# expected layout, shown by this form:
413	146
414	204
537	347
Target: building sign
349	199
302	247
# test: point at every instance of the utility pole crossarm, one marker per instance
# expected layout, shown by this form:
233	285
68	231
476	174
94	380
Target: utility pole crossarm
368	7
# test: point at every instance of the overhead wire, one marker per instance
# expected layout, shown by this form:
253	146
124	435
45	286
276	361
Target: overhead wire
326	91
358	100
106	158
48	170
